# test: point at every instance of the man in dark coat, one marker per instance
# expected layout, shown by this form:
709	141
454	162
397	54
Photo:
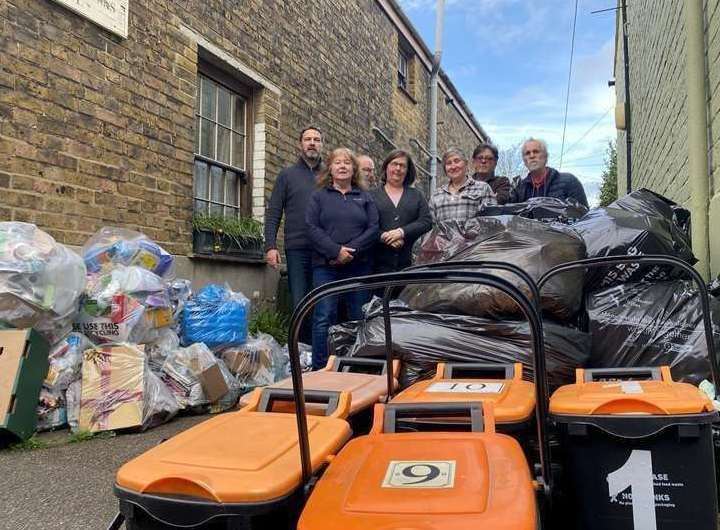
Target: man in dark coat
544	181
290	196
485	158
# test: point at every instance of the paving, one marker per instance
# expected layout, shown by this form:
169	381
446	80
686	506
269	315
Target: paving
69	485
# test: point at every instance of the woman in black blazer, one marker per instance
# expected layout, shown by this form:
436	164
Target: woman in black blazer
404	213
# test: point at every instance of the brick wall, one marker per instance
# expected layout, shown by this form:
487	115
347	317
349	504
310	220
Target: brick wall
712	39
658	98
97	130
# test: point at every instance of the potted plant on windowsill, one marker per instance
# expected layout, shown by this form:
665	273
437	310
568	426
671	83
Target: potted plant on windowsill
227	236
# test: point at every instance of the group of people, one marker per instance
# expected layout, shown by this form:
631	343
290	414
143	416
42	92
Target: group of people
342	221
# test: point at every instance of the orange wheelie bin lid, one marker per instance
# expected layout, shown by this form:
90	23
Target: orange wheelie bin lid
642	391
429	480
502	384
364	379
246	456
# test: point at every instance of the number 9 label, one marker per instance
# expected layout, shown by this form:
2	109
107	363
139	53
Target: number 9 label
420	474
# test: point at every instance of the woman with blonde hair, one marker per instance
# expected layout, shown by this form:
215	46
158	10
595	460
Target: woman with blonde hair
342	222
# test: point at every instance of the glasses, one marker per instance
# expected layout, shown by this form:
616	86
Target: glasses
485	158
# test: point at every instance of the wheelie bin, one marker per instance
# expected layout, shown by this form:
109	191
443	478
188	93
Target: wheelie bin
235	471
431	480
502	384
365	379
637	447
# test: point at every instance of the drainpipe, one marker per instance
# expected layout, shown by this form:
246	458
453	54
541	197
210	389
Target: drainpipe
435	72
698	174
628	113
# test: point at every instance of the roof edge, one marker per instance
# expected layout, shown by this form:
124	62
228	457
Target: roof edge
398	17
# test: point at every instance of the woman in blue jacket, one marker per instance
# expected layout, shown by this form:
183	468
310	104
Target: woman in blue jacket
342	222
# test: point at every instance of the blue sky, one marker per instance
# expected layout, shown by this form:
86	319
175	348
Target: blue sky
509	59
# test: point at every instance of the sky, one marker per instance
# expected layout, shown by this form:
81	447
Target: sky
510	59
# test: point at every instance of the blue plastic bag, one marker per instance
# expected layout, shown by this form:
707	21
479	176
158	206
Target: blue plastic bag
216	316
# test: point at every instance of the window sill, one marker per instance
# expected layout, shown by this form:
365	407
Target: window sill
407	94
229	259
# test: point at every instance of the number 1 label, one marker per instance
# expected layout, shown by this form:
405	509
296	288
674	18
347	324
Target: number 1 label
636	473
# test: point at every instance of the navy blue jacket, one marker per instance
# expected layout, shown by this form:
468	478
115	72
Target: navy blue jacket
334	219
290	194
558	185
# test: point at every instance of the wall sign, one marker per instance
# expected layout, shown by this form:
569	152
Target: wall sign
109	14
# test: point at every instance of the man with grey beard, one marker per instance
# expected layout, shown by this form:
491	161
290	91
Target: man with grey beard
367	170
544	181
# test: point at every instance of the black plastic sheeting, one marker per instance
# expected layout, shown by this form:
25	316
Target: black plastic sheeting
646	202
421	340
532	245
652	324
639	223
546	209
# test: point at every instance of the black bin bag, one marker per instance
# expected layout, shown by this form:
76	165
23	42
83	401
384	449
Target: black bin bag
652	324
421	340
533	246
642	222
546	209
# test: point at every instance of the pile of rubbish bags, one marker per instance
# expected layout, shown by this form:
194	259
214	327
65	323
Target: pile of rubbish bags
534	246
40	281
640	223
132	345
626	315
546	209
421	340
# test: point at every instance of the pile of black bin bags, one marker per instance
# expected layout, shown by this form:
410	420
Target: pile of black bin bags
624	315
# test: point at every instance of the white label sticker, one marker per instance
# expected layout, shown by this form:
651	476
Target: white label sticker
466	387
631	387
420	474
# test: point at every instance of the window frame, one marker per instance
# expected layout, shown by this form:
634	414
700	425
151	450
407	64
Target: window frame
243	175
403	74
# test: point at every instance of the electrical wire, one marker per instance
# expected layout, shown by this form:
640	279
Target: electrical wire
582	137
567	93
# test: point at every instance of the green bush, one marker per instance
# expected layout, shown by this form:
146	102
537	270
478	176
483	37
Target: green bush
271	322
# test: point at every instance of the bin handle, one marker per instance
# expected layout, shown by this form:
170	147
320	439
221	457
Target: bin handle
359	365
649	373
337	404
481	415
505	371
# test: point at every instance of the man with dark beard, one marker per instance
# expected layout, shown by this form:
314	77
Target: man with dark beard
290	195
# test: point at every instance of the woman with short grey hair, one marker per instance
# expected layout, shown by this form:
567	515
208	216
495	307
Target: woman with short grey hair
462	197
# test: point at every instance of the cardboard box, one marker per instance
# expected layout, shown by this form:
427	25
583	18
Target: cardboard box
113	385
23	366
247	361
213	383
24	314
